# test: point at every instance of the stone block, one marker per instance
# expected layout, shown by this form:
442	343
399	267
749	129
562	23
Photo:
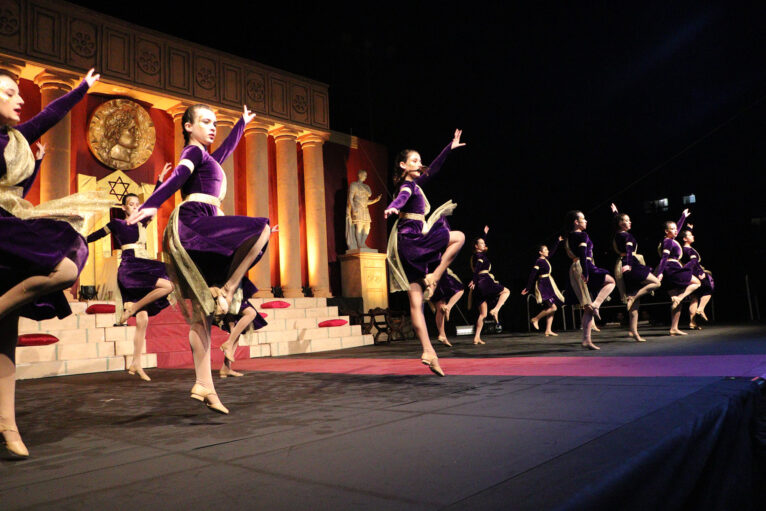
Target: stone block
288	313
329	344
104	320
40	370
28	326
32	354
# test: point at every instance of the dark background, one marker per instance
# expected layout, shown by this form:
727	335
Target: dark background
564	105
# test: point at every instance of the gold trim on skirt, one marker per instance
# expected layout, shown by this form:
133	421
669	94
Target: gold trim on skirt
579	286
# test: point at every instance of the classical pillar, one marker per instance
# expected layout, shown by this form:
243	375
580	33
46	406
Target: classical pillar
316	218
12	65
287	207
54	172
177	112
225	122
257	199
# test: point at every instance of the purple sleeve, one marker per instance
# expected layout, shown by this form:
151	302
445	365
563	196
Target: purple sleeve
555	247
680	223
581	251
629	248
694	261
28	182
405	192
228	146
52	113
435	166
532	276
176	180
97	235
665	254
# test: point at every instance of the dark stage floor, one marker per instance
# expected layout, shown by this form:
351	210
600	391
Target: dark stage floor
301	440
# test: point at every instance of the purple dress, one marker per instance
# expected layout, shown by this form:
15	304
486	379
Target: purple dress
419	252
136	276
201	242
448	286
579	248
36	246
486	288
626	246
541	282
707	284
248	291
675	275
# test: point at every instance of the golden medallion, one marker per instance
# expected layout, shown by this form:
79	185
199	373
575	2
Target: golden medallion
121	134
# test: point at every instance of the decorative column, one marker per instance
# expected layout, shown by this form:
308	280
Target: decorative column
12	65
287	206
257	199
316	217
177	112
225	122
54	172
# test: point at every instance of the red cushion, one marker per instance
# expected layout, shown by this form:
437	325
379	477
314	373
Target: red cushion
263	314
37	339
333	322
275	304
100	308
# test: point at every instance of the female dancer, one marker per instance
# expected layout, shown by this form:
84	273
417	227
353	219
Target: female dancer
485	286
209	253
701	297
546	292
634	279
143	283
448	291
420	251
236	324
585	277
679	280
39	257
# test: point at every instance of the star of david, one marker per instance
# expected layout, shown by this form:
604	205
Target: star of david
115	185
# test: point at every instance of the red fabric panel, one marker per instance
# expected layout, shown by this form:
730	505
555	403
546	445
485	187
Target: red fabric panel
333	322
100	308
275	304
37	340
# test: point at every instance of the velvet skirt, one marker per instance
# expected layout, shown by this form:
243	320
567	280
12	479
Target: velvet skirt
447	287
35	247
420	253
137	277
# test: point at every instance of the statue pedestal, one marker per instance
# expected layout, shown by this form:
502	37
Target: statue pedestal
363	274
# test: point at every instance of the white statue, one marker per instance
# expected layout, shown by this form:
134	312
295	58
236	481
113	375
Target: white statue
357	215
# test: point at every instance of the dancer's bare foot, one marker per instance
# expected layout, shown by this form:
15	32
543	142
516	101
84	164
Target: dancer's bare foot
637	337
493	313
677	332
589	345
595	327
701	313
694	326
535	324
478	341
444	341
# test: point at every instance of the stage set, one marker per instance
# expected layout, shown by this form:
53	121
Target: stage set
324	419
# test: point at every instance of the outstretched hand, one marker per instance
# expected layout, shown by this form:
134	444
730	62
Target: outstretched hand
275	229
247	115
524	292
614	208
456	140
165	169
40	151
139	215
390	211
486	229
686	212
92	77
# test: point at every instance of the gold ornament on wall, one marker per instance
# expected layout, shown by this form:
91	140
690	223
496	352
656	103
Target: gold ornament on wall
121	134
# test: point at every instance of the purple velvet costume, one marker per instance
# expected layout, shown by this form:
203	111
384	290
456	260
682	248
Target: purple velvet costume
486	288
248	291
541	272
36	246
447	287
580	249
625	244
707	284
210	239
136	276
674	274
419	252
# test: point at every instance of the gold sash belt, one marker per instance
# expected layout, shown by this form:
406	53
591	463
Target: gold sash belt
483	271
203	197
413	216
545	275
139	250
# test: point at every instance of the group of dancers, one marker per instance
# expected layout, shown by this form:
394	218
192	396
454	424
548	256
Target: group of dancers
420	250
208	254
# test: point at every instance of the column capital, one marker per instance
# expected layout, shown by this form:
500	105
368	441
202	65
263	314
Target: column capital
225	118
13	66
284	133
54	80
177	111
311	138
258	126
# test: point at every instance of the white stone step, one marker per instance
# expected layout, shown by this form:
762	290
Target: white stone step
68	367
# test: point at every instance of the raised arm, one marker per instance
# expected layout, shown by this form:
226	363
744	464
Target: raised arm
405	192
684	215
56	110
439	161
228	145
666	243
552	250
97	235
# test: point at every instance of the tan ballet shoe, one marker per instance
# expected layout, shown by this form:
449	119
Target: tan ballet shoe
535	324
479	341
221	305
228	349
429	286
15	449
432	361
677	332
127	312
702	315
595	327
444	341
493	313
590	346
637	337
675	302
446	310
203	394
134	369
551	334
629	302
227	371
